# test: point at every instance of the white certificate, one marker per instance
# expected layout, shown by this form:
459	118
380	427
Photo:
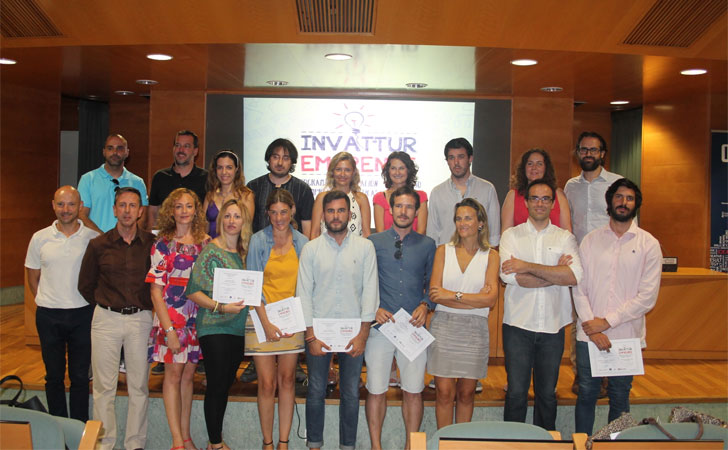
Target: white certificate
233	285
408	339
336	333
624	358
286	314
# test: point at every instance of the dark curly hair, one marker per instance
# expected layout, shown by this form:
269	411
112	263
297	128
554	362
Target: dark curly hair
519	181
408	163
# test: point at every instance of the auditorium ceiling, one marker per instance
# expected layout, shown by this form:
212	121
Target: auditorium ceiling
596	51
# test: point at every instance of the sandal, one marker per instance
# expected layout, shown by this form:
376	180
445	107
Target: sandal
282	442
188	440
267	444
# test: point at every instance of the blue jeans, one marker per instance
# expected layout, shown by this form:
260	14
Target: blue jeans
540	353
349	373
61	330
618	391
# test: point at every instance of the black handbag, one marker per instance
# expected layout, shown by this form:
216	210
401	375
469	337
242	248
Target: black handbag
33	403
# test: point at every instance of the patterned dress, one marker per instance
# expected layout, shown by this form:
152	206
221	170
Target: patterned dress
171	267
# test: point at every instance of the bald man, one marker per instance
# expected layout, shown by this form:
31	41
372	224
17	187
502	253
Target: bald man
63	316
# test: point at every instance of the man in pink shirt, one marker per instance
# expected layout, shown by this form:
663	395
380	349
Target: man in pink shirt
622	265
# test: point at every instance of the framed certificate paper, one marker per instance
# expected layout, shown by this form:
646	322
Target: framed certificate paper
624	358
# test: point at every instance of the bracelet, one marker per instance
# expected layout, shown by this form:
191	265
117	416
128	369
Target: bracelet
171	328
426	305
308	340
214	310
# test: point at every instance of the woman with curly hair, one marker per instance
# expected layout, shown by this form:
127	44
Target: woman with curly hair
399	171
225	180
220	326
535	164
342	175
173	339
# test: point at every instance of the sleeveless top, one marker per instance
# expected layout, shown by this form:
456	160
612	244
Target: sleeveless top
469	282
211	215
520	212
381	200
354	222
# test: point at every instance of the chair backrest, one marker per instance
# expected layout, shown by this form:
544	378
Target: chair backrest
46	431
15	435
498	434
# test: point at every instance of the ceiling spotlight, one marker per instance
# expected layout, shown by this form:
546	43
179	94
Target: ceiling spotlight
159	57
693	72
524	62
7	61
416	85
277	82
124	92
338	56
619	102
552	89
147	82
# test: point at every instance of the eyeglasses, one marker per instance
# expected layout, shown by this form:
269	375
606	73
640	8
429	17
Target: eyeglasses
116	184
593	151
398	252
535	199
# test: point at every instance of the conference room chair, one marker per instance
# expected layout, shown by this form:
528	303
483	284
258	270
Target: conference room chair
49	432
495	435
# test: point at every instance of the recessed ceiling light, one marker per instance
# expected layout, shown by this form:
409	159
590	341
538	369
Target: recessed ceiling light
7	61
552	89
524	62
147	82
416	85
159	57
619	102
277	82
124	92
693	71
338	56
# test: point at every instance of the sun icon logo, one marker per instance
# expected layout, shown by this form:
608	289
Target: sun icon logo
354	119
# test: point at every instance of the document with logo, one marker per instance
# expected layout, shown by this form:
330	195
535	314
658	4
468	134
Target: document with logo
336	333
408	339
624	358
286	314
233	285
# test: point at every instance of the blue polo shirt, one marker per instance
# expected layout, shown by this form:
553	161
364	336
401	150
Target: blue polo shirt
97	193
404	282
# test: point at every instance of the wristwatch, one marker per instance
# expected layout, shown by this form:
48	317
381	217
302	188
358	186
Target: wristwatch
459	296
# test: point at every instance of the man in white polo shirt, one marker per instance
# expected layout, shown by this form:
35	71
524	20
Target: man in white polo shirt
63	316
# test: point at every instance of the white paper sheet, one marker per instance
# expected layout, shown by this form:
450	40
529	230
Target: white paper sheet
624	358
336	333
286	314
233	285
408	339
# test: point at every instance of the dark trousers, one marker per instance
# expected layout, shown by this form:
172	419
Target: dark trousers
223	354
61	331
525	352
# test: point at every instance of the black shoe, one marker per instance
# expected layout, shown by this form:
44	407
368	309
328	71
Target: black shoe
200	368
249	375
158	369
300	374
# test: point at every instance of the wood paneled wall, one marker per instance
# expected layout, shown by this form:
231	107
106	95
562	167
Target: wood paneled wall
169	112
131	120
675	177
546	123
29	162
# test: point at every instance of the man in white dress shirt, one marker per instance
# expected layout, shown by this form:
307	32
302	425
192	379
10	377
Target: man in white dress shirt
538	262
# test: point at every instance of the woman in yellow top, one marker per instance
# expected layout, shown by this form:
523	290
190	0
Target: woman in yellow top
274	250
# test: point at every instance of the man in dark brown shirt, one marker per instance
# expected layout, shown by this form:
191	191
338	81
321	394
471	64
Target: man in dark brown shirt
112	277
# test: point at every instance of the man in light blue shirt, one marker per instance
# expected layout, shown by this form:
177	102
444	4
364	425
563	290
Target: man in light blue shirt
404	260
98	187
337	279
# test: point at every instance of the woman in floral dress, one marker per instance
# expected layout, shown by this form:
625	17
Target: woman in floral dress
173	339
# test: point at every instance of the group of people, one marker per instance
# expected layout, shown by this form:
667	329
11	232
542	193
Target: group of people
151	295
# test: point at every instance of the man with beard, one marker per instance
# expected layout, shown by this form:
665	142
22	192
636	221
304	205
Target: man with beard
588	210
337	279
622	269
281	156
112	278
404	261
97	187
63	316
183	173
461	184
538	262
